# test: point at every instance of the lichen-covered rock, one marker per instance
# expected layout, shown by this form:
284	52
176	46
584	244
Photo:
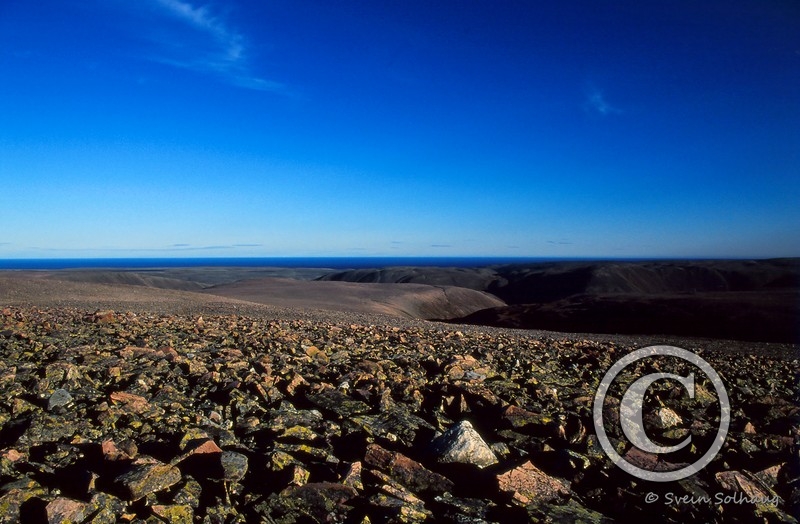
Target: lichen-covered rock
143	479
334	400
14	495
64	509
234	465
174	514
408	472
320	501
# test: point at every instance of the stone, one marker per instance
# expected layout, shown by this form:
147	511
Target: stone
519	418
187	492
353	476
126	450
105	509
649	461
396	490
666	418
234	465
460	509
462	444
174	514
528	484
12	455
467	367
322	501
770	475
333	400
406	471
299	475
62	510
143	479
135	403
395	423
736	482
197	443
59	398
14	495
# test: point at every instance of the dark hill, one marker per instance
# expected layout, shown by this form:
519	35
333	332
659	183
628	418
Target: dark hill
734	315
480	279
739	299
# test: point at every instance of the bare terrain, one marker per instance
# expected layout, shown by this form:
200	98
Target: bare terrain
244	396
123	288
748	300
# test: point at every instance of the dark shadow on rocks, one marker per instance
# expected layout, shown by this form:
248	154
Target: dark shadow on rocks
33	511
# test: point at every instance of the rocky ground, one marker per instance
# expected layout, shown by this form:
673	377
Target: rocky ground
258	416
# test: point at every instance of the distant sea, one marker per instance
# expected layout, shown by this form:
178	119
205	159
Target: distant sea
283	262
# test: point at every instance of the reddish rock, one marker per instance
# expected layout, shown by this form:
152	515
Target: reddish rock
737	482
104	317
467	368
406	471
204	448
135	403
63	509
528	484
295	383
12	455
112	452
770	475
650	461
353	476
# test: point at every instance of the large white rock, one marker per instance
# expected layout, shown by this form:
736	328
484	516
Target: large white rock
462	444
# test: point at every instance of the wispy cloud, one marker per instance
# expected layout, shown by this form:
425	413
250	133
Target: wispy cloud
597	103
222	50
172	248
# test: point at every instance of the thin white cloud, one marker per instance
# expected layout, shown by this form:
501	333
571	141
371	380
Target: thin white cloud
224	49
172	248
201	19
597	103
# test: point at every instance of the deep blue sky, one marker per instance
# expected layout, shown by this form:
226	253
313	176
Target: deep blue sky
591	128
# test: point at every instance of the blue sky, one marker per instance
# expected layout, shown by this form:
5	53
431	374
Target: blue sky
454	128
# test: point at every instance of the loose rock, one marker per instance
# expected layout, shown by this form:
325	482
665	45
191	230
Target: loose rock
462	444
